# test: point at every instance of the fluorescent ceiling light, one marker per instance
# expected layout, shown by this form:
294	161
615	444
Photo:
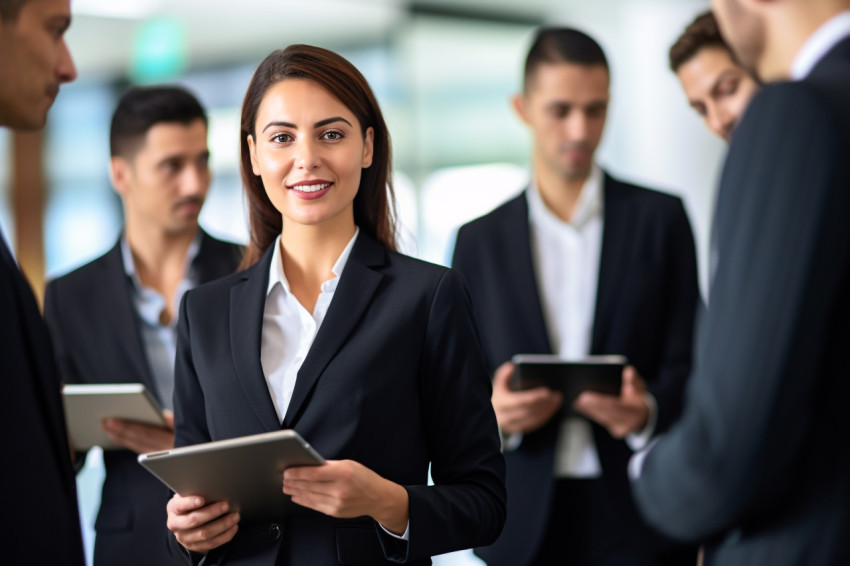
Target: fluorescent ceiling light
124	9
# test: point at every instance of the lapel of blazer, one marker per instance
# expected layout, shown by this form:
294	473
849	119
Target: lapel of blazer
355	290
247	303
520	267
118	307
616	234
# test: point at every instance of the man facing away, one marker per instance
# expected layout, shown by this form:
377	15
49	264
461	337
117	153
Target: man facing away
579	263
113	320
758	464
717	86
40	522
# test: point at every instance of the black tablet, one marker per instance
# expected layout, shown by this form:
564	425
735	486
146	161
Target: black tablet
603	374
245	471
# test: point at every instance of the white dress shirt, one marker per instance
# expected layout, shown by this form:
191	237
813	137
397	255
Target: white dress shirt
819	43
566	262
289	330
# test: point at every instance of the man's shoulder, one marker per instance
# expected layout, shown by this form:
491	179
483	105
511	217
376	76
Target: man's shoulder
641	196
86	273
500	218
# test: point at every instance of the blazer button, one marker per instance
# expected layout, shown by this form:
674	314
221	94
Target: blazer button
274	531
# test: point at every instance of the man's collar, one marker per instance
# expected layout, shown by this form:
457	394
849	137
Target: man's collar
819	44
130	265
588	206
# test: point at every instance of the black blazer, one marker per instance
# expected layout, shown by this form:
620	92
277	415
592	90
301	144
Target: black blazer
394	380
96	335
647	294
41	522
759	459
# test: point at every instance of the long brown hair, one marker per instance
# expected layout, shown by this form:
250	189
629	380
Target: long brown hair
374	205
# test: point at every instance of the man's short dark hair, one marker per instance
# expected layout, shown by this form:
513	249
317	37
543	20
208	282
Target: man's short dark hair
141	108
701	33
9	9
562	45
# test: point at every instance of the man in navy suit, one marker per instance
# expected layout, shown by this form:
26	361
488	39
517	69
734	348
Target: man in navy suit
41	523
758	466
579	264
113	320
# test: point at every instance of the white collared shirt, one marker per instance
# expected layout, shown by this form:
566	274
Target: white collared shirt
819	44
566	264
566	259
289	329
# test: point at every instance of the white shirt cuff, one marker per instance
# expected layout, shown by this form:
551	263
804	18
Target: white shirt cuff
405	536
510	442
638	458
638	440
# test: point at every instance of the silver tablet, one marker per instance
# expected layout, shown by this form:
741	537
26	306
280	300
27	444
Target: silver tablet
246	471
86	405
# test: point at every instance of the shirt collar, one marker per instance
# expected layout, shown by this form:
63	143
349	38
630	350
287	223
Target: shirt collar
130	265
276	274
588	206
819	44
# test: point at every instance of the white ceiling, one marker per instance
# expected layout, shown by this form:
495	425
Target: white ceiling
102	35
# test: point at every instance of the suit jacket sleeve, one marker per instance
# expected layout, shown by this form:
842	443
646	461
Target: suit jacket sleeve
750	402
467	502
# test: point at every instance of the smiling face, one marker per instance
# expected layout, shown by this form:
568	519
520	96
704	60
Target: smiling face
34	62
565	106
164	183
717	88
309	150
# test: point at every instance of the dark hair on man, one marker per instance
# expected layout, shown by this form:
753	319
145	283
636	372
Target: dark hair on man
141	108
701	33
562	45
9	9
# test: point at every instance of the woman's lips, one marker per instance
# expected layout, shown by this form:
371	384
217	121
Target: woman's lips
310	191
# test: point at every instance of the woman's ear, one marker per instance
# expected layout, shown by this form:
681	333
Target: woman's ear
368	147
252	151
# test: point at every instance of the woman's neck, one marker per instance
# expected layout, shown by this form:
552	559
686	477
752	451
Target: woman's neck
308	254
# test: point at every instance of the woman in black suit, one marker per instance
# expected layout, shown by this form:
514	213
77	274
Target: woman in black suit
370	355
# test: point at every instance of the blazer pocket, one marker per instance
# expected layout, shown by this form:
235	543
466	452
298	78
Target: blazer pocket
358	545
114	518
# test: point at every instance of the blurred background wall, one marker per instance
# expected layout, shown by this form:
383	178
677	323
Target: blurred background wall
443	71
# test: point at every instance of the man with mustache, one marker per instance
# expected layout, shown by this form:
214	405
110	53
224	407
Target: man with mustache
114	319
717	87
579	263
758	465
41	524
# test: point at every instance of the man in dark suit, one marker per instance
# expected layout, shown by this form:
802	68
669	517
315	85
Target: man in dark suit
41	522
113	320
757	465
579	264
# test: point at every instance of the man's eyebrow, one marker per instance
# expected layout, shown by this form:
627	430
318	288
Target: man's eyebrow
722	76
62	21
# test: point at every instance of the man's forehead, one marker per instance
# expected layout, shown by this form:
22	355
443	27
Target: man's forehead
570	79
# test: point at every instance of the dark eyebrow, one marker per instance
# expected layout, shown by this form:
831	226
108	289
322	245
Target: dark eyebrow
283	124
327	121
318	124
